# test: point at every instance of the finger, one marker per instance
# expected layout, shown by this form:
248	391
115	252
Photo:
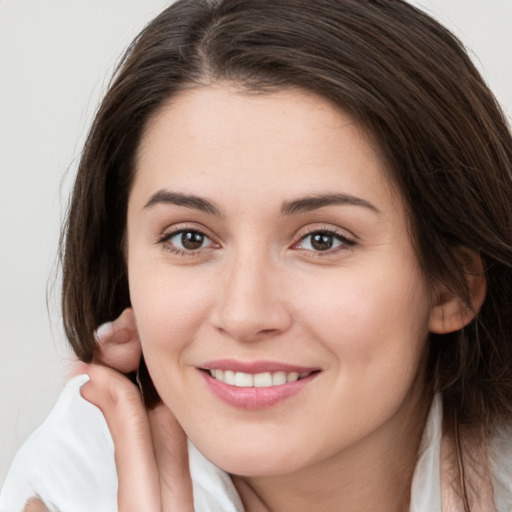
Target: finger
170	444
118	344
121	404
35	505
119	330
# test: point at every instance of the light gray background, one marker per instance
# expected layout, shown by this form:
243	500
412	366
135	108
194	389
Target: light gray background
55	60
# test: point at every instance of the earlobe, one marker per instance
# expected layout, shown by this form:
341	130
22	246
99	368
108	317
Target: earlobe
450	312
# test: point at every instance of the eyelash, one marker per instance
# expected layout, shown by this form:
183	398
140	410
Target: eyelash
167	237
345	243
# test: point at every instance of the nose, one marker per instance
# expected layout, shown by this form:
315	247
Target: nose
251	305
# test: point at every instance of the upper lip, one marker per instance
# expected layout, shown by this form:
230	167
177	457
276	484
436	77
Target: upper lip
255	367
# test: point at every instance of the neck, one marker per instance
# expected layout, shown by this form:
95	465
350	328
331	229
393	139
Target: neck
375	474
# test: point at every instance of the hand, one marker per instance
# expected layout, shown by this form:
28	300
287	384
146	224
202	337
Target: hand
150	446
118	343
35	505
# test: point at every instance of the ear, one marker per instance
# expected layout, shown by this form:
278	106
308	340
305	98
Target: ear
450	312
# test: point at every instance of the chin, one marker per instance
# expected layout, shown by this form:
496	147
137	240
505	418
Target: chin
251	461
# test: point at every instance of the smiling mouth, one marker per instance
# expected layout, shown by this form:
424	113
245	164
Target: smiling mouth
258	380
257	384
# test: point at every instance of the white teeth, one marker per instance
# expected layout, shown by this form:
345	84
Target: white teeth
292	377
244	380
263	380
278	378
258	380
229	377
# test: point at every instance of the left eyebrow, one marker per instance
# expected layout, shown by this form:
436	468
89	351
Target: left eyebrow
316	201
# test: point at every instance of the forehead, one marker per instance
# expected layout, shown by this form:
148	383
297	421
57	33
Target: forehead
285	142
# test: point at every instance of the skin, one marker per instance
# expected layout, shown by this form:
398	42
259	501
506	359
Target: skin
35	505
257	290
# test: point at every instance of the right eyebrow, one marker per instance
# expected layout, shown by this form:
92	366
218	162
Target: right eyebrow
180	199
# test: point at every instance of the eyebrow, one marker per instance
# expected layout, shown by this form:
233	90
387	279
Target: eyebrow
180	199
314	202
302	205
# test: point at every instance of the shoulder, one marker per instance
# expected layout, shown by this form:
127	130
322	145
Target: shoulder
68	461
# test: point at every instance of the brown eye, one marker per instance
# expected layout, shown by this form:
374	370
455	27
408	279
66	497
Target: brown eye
192	240
186	240
322	241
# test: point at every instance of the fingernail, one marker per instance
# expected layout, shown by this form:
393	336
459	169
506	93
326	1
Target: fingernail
103	331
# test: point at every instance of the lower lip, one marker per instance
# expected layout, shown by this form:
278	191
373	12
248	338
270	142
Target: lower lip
255	398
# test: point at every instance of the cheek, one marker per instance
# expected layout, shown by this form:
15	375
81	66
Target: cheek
169	310
372	320
375	328
169	307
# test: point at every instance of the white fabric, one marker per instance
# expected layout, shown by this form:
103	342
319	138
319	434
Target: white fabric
69	463
426	482
500	456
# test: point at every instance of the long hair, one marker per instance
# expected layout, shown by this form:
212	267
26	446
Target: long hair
403	77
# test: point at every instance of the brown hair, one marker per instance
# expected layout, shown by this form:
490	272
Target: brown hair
403	77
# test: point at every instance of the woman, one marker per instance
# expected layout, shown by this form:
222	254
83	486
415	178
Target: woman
307	207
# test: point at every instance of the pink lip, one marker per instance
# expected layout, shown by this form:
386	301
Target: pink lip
254	367
255	398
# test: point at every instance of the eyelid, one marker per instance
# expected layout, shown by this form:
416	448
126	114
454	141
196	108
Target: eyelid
176	229
348	239
327	228
172	229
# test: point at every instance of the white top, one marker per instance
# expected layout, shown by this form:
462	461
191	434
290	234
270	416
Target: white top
69	463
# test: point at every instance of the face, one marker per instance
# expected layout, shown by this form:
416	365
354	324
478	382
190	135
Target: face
280	305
